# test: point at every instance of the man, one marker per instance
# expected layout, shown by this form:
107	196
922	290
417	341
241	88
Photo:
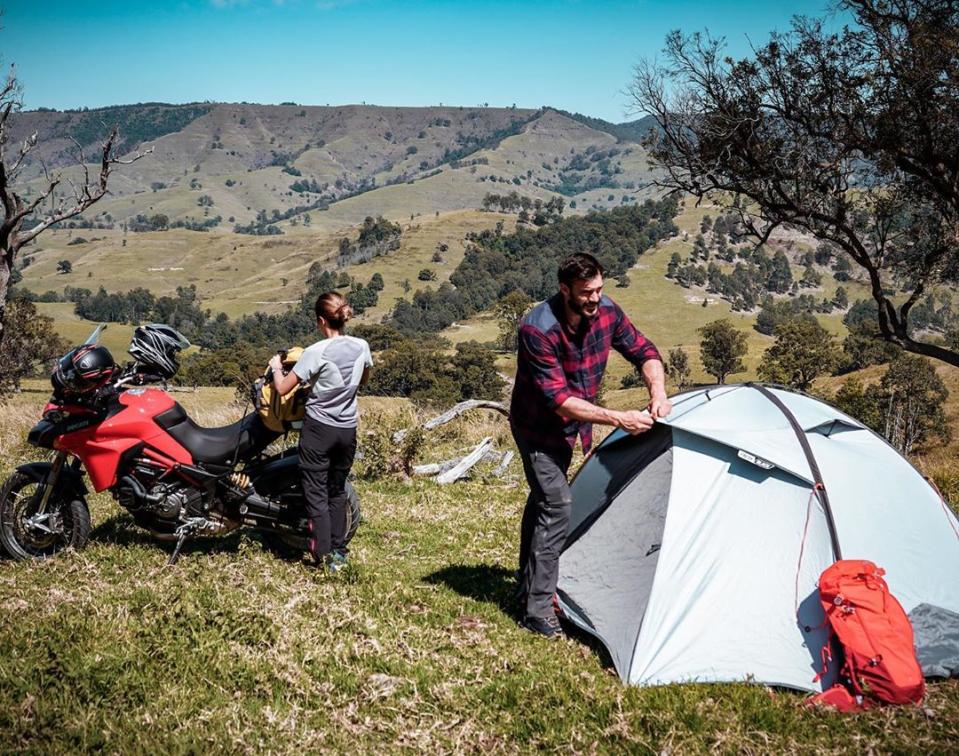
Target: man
564	343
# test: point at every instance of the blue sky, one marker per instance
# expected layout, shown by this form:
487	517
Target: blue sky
572	54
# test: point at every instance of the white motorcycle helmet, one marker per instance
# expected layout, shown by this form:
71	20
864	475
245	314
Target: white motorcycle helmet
155	347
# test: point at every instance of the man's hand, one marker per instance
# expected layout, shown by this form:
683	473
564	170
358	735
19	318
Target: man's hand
276	363
635	421
659	405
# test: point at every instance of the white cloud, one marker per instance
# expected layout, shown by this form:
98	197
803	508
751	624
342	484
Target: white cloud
238	3
333	4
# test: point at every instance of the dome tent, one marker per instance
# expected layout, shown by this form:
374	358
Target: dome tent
695	548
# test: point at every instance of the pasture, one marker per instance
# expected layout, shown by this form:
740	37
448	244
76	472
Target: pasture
415	647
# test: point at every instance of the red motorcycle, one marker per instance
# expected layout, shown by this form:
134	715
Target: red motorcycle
176	479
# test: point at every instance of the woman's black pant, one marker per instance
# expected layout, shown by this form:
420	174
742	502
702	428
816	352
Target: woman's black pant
326	456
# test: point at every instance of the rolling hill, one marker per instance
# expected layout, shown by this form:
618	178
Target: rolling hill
241	161
426	168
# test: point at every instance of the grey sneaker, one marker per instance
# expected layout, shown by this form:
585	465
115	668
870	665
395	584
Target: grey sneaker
548	627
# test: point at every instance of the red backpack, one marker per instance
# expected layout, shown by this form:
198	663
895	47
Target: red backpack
875	635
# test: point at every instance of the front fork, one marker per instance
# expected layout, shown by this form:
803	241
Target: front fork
50	483
41	519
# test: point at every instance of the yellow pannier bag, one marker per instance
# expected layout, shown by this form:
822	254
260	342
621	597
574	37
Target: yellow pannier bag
278	413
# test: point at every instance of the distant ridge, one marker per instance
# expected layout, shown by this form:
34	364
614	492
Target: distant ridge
257	168
628	131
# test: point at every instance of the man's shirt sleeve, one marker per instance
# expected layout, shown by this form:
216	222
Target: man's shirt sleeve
544	366
630	343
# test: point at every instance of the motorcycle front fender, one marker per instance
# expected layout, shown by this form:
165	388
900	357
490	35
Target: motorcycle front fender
70	479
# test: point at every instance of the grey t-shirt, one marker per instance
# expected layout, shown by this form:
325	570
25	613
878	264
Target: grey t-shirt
334	367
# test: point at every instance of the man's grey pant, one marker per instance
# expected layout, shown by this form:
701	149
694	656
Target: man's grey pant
545	526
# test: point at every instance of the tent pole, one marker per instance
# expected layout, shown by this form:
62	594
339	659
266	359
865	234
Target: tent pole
820	487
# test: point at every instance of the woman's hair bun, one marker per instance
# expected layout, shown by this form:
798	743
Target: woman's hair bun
334	309
344	312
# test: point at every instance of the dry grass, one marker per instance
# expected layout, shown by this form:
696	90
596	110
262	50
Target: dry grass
415	647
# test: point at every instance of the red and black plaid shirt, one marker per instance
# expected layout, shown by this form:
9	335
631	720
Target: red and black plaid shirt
554	364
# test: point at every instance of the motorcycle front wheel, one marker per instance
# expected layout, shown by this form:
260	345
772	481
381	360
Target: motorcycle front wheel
25	533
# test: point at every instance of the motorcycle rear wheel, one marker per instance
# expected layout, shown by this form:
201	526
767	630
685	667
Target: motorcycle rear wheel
24	535
291	546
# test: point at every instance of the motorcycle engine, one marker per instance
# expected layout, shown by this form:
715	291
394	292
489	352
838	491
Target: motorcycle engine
164	500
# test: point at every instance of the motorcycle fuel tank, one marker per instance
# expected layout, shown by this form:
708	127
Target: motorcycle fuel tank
101	446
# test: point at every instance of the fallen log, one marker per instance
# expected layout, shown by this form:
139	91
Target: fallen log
463	466
455	411
435	468
501	468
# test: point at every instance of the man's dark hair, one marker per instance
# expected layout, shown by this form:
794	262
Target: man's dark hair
579	267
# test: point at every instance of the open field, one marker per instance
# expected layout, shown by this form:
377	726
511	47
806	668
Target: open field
414	647
240	274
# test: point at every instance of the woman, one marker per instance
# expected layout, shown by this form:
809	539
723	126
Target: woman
336	366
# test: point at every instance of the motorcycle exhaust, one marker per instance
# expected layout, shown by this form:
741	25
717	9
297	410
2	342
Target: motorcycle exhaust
255	505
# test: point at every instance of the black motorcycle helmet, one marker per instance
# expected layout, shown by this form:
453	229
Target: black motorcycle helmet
83	369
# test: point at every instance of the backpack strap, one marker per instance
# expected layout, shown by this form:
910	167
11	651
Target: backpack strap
825	656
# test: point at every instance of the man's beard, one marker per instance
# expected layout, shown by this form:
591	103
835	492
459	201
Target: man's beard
581	309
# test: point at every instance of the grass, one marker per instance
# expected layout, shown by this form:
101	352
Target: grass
414	648
238	274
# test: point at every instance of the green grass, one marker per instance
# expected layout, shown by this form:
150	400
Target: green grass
238	274
414	647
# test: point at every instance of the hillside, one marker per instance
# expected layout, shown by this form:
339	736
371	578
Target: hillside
433	191
236	273
415	648
241	161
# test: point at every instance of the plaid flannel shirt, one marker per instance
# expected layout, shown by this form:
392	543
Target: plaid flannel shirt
553	365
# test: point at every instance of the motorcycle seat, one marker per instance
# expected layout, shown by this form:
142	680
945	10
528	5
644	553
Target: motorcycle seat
215	446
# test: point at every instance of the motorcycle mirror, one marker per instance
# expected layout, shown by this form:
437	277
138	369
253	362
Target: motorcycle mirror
94	338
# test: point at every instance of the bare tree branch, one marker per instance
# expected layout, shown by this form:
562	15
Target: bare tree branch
453	412
853	137
89	192
26	148
17	209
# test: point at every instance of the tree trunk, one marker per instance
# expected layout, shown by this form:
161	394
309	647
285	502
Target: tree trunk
4	289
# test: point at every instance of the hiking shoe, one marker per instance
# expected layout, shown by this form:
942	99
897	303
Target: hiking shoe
335	561
520	598
548	627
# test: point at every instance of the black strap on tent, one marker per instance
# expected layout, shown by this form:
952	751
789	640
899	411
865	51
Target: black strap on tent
820	488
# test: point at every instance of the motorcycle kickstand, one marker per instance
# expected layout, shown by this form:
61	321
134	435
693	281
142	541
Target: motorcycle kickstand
184	534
